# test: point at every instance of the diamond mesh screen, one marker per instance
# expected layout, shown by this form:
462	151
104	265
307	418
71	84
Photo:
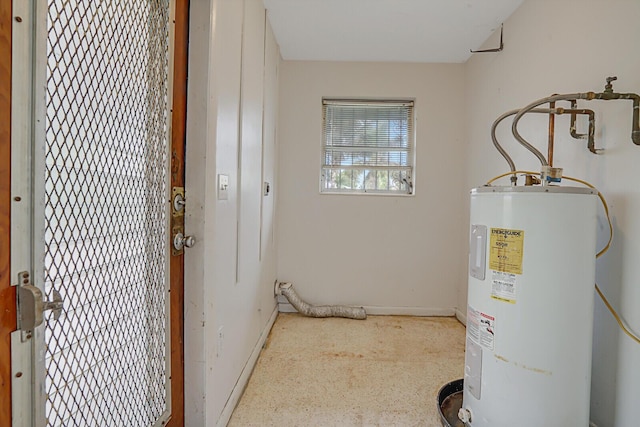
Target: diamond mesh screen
105	211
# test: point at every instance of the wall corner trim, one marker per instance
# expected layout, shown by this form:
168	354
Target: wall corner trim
462	317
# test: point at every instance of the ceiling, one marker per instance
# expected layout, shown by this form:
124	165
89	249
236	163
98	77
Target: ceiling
385	30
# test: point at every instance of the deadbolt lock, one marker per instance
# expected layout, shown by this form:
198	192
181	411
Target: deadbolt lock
178	201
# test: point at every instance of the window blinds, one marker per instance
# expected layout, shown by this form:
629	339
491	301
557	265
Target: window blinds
368	137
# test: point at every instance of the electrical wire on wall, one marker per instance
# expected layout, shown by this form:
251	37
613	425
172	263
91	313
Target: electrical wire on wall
615	314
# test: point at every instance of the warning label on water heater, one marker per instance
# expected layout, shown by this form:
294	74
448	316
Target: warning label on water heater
481	327
503	286
505	250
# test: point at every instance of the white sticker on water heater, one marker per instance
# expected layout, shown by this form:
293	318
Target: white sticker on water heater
481	328
503	286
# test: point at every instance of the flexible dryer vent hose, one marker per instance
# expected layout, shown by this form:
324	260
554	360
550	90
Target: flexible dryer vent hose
286	289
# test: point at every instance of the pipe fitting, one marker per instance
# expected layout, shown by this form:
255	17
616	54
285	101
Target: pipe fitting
282	285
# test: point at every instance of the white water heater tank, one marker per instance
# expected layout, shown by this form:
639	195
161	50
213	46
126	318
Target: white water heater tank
530	307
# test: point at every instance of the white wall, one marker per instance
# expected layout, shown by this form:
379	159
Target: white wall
565	46
232	100
394	255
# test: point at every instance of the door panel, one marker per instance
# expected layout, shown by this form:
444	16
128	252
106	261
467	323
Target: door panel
101	217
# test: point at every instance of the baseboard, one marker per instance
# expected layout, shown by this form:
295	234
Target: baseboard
237	391
389	311
462	317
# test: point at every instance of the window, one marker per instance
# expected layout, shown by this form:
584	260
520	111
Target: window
367	147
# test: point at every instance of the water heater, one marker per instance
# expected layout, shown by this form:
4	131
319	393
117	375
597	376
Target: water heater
530	306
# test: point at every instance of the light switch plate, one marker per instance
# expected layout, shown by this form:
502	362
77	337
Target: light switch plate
223	187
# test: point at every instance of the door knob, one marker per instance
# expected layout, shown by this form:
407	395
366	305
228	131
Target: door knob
180	241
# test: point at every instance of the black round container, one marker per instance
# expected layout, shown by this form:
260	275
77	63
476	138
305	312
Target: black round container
450	402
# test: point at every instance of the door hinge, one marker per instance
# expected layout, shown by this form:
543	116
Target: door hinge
32	305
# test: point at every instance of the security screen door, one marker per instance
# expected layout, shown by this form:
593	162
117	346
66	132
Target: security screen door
101	213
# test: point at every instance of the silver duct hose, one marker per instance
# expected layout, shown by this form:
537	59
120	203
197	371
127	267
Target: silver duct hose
286	289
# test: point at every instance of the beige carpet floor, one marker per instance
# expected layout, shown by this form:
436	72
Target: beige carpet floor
383	371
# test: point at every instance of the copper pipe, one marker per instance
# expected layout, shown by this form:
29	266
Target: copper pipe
590	136
607	95
552	129
574	112
503	152
572	127
591	145
525	110
554	111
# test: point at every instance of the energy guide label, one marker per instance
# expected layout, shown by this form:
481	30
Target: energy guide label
505	250
481	327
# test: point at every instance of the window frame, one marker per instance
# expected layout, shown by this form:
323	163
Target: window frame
409	187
